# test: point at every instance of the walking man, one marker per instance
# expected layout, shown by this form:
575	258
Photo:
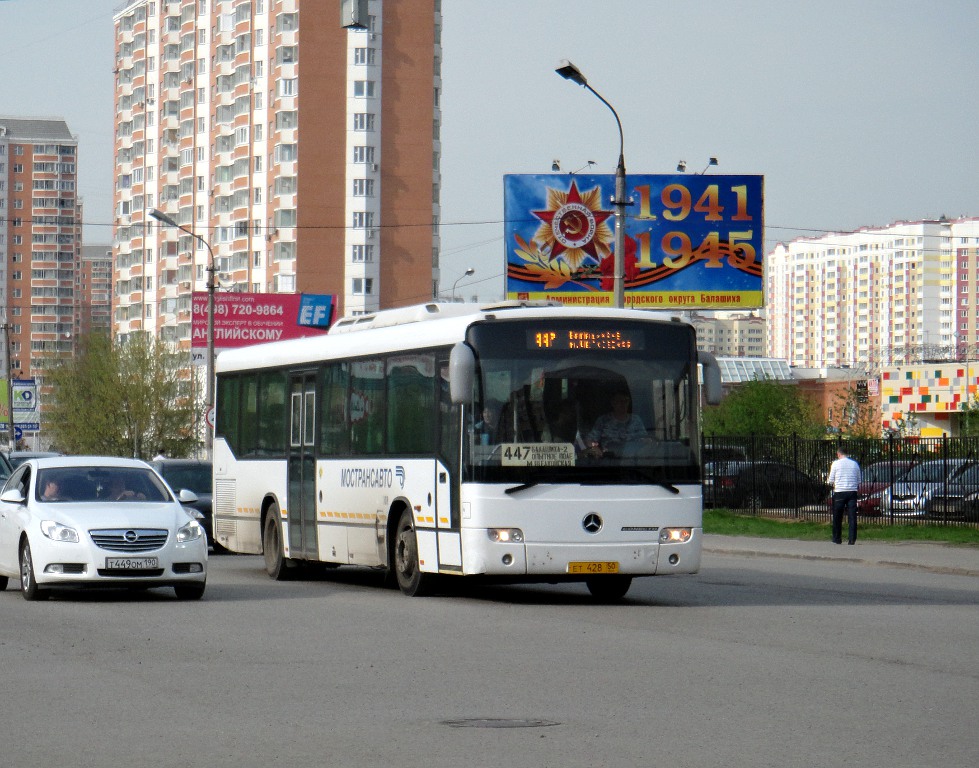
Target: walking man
844	477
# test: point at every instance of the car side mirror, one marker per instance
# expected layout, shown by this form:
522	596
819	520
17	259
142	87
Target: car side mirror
187	496
13	496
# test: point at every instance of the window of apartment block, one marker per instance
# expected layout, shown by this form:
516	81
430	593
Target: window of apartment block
363	187
285	217
364	56
287	86
363	286
285	153
363	121
286	119
362	253
363	219
364	89
363	154
286	54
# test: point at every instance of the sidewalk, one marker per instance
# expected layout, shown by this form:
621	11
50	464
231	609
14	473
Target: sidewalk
937	558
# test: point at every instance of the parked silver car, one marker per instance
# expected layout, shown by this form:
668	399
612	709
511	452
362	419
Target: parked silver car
908	497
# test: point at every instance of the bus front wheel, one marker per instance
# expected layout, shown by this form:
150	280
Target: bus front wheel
275	561
609	589
411	580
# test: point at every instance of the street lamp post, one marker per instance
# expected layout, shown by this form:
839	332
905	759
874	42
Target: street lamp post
11	429
570	72
209	385
468	273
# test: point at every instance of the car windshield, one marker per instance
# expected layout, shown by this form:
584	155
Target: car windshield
968	476
193	477
102	484
885	472
931	472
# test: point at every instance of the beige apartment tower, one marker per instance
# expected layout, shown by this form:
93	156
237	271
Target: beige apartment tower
303	152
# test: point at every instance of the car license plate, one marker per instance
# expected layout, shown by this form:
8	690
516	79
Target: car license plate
131	563
602	566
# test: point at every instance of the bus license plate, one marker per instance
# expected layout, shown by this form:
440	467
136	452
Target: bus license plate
131	563
602	566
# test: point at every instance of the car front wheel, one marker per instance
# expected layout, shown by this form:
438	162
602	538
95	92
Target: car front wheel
28	584
189	591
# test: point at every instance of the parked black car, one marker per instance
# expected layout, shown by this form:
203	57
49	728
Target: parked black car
194	475
744	484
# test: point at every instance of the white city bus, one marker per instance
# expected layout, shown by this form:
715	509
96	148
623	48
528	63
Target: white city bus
368	446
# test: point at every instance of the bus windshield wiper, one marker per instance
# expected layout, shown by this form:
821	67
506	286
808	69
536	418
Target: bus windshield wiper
521	487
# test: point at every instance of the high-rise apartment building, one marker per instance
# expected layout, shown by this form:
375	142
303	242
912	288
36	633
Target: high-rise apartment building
40	240
730	334
304	153
93	290
875	297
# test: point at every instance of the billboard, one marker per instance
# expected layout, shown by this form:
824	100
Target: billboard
242	319
691	241
26	415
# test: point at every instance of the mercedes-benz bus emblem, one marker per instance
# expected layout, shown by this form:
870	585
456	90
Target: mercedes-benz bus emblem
592	523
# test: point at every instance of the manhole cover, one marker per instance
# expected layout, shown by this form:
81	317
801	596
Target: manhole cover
498	722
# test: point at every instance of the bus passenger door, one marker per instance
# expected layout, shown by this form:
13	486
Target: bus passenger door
302	467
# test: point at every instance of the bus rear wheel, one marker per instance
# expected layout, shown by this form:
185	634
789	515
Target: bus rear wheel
411	581
276	565
609	589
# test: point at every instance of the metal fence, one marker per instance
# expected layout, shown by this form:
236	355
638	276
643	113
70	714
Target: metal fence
907	481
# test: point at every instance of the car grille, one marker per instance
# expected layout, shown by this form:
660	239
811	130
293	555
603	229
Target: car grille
129	539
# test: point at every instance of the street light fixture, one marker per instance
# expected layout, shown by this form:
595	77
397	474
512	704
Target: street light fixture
569	71
209	388
468	273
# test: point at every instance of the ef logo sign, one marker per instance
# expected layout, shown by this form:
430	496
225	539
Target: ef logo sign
315	310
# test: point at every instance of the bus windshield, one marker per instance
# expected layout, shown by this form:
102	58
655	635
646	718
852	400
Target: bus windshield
587	401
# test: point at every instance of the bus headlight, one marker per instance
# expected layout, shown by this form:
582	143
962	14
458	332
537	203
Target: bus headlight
505	535
675	535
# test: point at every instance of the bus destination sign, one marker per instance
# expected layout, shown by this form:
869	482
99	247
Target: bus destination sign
581	339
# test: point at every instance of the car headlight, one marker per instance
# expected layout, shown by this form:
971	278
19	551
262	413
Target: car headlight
189	532
59	532
504	535
675	535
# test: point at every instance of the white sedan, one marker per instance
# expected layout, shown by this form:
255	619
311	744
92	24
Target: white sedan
92	521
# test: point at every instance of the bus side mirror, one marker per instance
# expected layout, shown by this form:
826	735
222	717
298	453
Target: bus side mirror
712	378
462	372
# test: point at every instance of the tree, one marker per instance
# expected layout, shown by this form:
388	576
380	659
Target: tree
853	415
120	399
969	419
765	407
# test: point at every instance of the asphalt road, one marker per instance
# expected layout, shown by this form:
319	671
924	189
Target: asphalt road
762	659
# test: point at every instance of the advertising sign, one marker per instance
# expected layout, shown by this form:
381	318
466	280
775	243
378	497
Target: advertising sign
25	405
691	241
242	319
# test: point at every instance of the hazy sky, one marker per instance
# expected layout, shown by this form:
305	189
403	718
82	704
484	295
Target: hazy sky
857	112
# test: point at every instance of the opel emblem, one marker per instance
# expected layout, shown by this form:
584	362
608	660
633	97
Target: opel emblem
130	536
592	523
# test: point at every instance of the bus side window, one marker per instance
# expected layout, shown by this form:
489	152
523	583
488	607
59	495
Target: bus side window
411	419
334	421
